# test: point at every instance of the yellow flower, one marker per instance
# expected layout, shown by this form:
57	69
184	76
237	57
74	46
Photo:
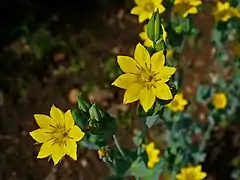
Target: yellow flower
152	154
58	135
185	7
178	103
145	8
219	100
102	152
147	42
191	173
145	77
170	53
223	11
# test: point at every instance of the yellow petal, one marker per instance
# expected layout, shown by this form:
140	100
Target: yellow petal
147	97
157	61
40	135
57	115
150	147
202	175
128	64
142	56
163	91
164	34
180	177
76	133
195	3
140	2
46	149
161	9
58	153
150	164
69	120
137	10
132	93
71	149
192	10
198	169
44	121
143	16
125	80
165	73
177	2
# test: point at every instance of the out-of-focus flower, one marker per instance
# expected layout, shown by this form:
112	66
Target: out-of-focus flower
178	103
152	154
147	42
58	135
73	95
219	100
145	8
191	173
102	152
145	77
224	12
186	7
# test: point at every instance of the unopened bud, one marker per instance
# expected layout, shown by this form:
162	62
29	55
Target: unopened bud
83	104
154	28
95	113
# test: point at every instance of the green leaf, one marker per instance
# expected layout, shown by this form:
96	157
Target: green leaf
153	120
160	45
137	138
138	169
154	173
80	117
199	157
204	94
178	159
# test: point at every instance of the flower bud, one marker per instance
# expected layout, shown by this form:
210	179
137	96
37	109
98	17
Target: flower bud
95	113
94	126
83	104
154	28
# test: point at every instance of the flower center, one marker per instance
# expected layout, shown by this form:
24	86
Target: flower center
175	103
149	6
147	78
190	176
60	134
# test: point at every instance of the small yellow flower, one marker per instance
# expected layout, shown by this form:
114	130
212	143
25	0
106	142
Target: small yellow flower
58	135
191	173
145	8
147	41
145	77
223	11
102	152
185	7
178	103
219	100
152	154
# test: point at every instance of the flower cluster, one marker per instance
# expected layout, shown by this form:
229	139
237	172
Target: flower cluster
224	11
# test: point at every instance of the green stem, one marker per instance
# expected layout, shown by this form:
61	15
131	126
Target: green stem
118	146
154	45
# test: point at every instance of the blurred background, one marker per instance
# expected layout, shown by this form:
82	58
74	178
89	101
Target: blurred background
50	51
